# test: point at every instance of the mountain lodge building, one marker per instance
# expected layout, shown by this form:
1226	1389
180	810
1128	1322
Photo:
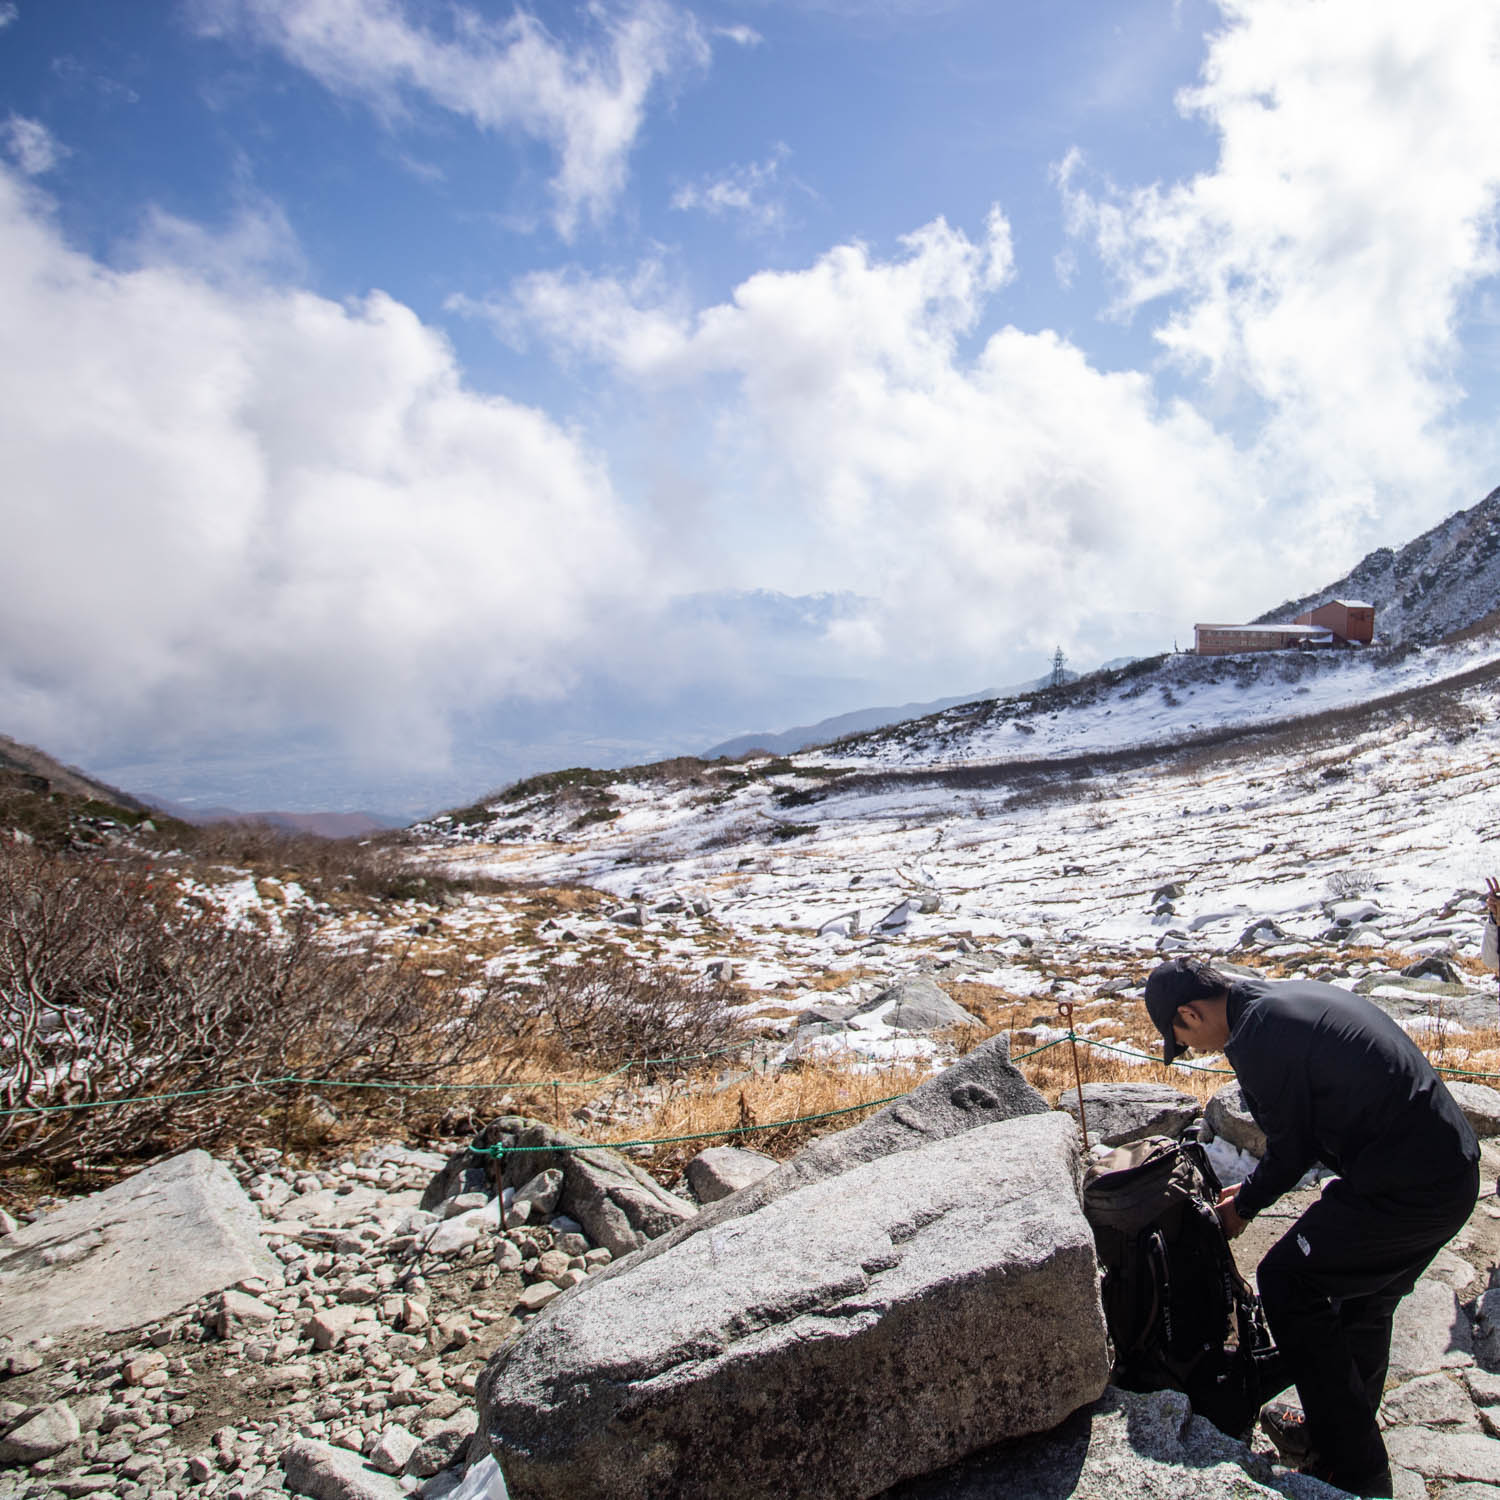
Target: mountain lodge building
1350	620
1340	622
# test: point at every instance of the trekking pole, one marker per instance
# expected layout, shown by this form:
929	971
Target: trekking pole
1065	1010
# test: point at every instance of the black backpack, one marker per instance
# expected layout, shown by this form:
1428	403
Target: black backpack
1180	1315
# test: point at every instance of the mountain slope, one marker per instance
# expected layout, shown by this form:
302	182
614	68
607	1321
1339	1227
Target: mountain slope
1159	703
1445	580
858	721
21	761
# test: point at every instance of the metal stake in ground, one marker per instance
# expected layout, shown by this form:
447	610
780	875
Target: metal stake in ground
1492	915
1065	1010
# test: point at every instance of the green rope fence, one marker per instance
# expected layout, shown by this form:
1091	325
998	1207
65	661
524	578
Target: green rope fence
294	1080
672	1140
706	1135
526	1086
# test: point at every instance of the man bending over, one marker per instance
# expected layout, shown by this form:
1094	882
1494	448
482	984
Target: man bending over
1331	1079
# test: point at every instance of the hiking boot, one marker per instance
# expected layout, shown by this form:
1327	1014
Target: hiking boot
1376	1484
1286	1427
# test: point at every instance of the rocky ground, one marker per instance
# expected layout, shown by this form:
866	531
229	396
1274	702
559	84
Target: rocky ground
365	1332
369	1342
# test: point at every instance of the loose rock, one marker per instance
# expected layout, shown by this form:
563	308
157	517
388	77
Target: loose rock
329	1473
1231	1121
1480	1104
722	1170
619	1205
917	1004
441	1446
48	1431
395	1447
1120	1113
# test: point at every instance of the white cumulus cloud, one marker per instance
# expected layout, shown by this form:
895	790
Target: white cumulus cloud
1315	278
1309	292
32	147
987	497
233	508
586	101
749	192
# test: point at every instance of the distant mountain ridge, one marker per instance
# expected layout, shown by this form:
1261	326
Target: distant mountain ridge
327	825
1444	581
799	737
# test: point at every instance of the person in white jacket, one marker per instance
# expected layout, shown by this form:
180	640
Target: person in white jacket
1489	946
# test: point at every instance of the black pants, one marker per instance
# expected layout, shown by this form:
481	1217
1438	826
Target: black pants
1330	1287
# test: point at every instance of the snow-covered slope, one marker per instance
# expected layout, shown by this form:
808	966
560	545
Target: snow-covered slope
1440	583
1060	888
1159	702
841	726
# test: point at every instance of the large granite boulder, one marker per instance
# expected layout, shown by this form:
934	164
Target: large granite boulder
133	1253
1231	1121
982	1087
620	1206
1118	1114
855	1332
1124	1447
1480	1104
917	1004
1406	999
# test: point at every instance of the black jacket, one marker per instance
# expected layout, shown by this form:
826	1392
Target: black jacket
1331	1078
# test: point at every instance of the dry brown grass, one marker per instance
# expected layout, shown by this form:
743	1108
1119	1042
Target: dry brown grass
758	1099
705	1104
837	979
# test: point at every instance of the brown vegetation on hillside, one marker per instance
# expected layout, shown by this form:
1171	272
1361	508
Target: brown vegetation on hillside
113	986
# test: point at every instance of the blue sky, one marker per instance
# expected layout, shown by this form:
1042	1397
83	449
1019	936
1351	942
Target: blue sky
402	396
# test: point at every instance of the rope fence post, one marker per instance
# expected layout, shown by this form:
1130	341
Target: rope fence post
288	1096
1065	1010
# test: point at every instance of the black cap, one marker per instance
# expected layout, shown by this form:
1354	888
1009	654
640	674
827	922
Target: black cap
1171	984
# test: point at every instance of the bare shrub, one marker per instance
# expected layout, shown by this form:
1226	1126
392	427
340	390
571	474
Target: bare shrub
112	986
611	1010
732	835
377	869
